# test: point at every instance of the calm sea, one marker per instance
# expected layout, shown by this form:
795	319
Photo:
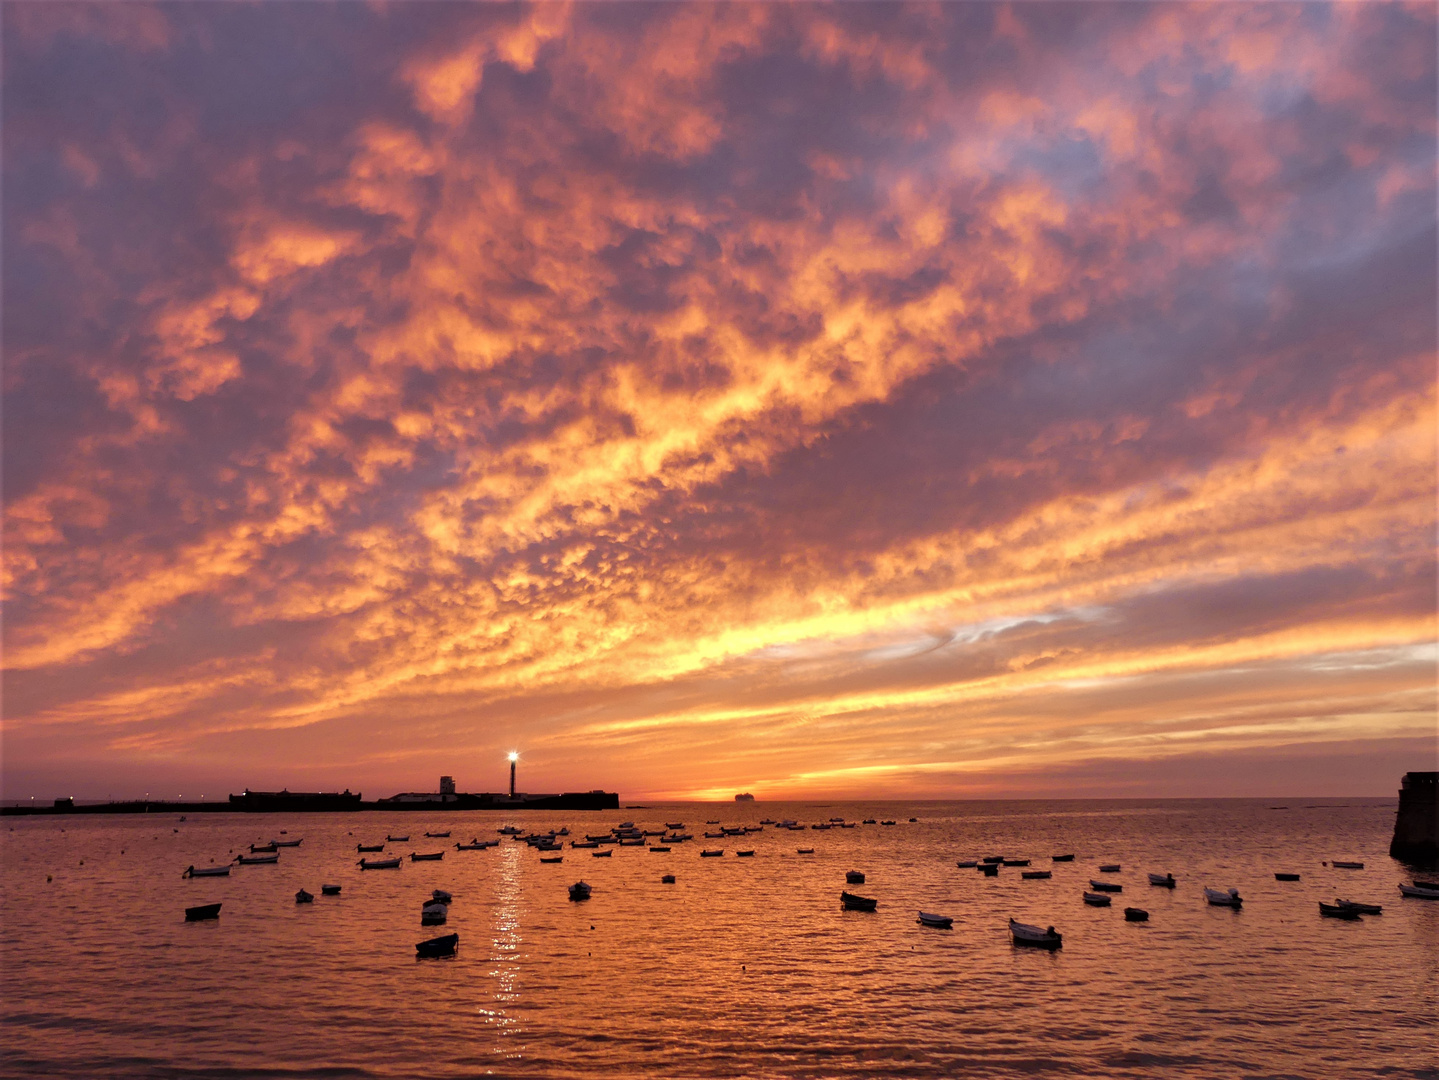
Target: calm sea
742	967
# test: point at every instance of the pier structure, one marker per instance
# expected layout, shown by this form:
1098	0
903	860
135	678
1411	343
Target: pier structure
1416	825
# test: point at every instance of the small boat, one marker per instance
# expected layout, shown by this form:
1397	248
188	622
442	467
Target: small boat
1220	898
674	824
989	869
1363	909
438	835
439	896
1025	934
1347	865
993	860
714	835
1419	892
804	851
638	842
967	864
203	911
914	819
256	860
748	853
711	853
579	891
711	822
1094	899
1286	877
380	864
206	871
509	830
1061	858
1105	886
938	922
1337	911
1014	862
853	877
261	847
434	914
329	890
362	848
1036	875
440	946
584	843
870	821
398	839
851	902
303	897
431	856
886	823
1135	914
1164	881
667	879
607	853
287	843
473	845
552	858
1109	868
658	847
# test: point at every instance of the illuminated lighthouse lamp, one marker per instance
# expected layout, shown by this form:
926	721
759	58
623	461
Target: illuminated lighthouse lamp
514	757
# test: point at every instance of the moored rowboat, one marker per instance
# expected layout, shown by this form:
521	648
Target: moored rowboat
1337	911
206	871
1363	909
1419	892
432	856
380	864
1094	899
256	860
1347	865
1025	934
938	922
440	946
1105	886
1164	881
1036	875
851	902
1221	898
203	911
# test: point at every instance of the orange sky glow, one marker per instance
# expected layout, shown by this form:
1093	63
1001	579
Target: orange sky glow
862	400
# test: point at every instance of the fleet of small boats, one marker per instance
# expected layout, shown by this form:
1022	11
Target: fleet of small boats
435	910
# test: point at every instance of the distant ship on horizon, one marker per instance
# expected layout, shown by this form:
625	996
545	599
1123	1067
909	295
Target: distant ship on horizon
744	797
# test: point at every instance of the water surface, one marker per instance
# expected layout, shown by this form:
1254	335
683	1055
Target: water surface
743	967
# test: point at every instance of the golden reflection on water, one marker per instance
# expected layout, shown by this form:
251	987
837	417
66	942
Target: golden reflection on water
506	957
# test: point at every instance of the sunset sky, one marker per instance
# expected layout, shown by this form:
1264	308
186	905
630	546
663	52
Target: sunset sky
951	400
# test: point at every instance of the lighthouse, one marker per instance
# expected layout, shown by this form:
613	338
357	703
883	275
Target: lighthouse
514	757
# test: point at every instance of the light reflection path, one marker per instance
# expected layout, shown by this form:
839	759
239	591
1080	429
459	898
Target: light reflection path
505	953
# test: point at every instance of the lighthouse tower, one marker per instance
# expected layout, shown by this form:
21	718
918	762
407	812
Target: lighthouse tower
514	757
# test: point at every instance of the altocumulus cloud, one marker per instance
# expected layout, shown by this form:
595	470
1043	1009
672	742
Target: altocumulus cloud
814	399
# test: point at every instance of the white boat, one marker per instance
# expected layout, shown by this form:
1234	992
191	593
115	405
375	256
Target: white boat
1419	892
1094	899
1163	880
256	860
206	871
1025	934
939	922
380	864
1220	898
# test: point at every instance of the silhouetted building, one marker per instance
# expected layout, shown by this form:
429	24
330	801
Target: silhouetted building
1416	825
447	785
284	799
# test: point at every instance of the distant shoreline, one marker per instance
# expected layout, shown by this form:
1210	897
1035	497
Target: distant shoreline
300	803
